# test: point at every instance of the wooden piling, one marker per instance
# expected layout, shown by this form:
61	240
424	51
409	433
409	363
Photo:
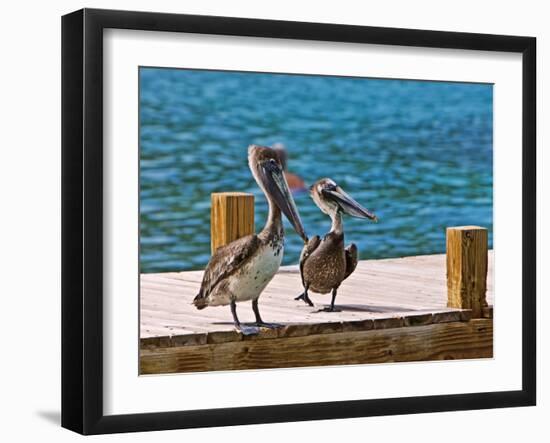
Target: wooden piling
467	248
231	217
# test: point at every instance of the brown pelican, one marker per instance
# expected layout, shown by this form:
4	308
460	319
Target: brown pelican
240	270
295	182
325	263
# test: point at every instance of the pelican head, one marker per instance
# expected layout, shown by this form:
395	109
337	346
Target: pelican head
266	167
332	199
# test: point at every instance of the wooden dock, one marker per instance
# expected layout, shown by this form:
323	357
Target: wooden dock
391	310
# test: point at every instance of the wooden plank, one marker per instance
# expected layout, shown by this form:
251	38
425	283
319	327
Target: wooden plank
393	290
467	268
454	340
231	217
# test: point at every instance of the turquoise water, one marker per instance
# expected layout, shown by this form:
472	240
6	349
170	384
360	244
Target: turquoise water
419	154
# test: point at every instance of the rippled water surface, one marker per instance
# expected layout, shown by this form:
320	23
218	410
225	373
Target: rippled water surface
417	153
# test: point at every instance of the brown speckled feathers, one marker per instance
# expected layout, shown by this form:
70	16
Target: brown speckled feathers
323	263
225	261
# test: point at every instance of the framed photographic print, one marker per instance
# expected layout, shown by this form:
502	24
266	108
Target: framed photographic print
269	221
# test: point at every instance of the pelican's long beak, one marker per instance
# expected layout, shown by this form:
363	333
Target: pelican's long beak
275	184
347	204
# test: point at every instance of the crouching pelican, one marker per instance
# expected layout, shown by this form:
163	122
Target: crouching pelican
240	270
325	263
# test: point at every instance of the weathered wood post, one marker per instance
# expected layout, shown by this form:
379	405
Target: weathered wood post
231	217
467	268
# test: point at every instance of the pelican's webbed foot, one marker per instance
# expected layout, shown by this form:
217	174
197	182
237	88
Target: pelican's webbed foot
248	330
330	308
259	321
305	298
244	330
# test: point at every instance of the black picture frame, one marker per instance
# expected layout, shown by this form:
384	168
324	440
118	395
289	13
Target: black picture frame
82	215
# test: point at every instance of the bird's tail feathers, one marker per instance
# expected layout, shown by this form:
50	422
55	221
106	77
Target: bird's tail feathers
352	257
200	301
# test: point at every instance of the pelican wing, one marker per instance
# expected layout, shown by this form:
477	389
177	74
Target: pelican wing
307	250
351	259
224	262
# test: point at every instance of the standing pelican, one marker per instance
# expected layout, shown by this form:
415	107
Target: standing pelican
325	264
240	270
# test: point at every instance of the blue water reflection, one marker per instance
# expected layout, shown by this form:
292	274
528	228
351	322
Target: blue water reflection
417	153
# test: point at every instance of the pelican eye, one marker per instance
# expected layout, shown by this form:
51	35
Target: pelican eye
270	165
